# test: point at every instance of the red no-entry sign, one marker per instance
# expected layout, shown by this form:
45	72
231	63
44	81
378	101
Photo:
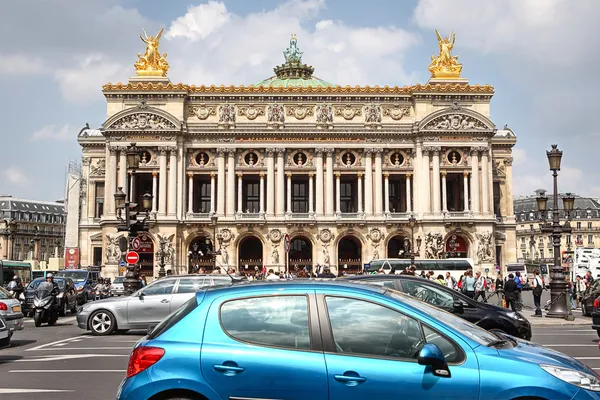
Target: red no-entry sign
132	257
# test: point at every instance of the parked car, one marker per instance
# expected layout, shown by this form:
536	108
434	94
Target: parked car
590	294
5	334
67	298
147	306
487	316
596	316
10	310
116	287
84	281
328	340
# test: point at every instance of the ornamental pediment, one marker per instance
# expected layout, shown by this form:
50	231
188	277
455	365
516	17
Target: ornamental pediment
456	119
142	118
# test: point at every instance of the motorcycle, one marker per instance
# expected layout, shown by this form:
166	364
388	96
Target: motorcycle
43	305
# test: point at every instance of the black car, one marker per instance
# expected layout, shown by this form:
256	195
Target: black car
596	316
590	294
67	298
487	316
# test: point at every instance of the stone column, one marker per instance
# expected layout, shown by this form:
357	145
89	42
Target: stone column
289	192
172	202
231	182
190	193
359	178
329	190
408	194
221	182
262	193
181	160
417	172
3	243
466	190
378	182
444	193
270	182
475	180
485	186
386	194
154	190
369	182
320	181
310	193
212	192
123	169
280	183
162	183
508	195
436	180
338	202
110	182
425	188
239	193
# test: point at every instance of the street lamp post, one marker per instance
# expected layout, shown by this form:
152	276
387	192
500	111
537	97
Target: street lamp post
130	223
10	228
559	295
219	238
161	260
412	222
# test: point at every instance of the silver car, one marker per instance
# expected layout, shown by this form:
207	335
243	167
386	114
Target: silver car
10	309
4	333
116	286
147	306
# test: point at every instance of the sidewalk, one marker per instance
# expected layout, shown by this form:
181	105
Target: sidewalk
545	321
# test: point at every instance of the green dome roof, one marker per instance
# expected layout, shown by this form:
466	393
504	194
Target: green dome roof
293	73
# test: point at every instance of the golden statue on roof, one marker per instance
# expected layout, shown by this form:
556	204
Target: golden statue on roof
152	63
445	65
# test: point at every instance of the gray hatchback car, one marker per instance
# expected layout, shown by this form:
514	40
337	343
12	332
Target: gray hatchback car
147	306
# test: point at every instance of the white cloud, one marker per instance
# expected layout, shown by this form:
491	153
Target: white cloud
16	176
519	155
52	132
200	21
21	64
82	82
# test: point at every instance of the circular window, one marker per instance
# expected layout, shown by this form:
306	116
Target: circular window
397	159
454	157
145	157
348	159
300	159
202	159
251	158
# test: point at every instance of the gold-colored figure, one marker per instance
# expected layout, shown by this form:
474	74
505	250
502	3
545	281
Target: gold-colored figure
152	63
445	65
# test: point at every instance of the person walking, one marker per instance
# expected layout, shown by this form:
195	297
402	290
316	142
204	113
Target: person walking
480	286
579	290
450	281
511	292
519	283
468	285
499	288
538	287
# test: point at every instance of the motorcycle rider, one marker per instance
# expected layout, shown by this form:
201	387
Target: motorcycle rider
55	290
15	286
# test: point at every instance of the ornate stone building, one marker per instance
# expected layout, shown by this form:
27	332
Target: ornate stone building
338	168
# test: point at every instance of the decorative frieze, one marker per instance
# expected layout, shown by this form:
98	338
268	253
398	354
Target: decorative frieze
251	111
300	111
396	111
143	121
202	111
455	122
348	112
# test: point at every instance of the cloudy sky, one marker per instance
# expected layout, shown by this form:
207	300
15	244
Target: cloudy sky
540	55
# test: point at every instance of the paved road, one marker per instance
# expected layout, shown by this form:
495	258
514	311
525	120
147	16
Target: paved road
52	363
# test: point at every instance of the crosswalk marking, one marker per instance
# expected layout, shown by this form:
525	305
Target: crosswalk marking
20	390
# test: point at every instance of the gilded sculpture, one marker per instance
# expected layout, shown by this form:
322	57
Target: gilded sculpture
152	63
445	65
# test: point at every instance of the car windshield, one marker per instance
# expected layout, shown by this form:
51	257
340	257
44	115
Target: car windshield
119	279
77	276
468	329
36	282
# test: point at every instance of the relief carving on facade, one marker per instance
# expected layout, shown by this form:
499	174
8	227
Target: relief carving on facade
202	111
227	115
275	114
396	111
372	114
434	245
348	112
143	121
455	122
275	256
300	111
166	249
99	168
275	235
251	111
375	236
324	114
113	251
485	247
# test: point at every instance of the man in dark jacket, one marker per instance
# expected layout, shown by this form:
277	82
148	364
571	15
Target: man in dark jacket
511	292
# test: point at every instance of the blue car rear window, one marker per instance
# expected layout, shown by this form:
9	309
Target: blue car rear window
174	318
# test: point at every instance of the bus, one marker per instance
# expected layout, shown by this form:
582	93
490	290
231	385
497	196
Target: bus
456	266
9	268
527	270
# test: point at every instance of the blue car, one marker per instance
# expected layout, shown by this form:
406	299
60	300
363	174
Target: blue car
330	340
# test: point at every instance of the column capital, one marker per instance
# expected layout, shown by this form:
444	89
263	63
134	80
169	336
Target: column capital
154	174
319	151
474	150
359	175
280	151
408	175
190	174
288	174
239	174
130	173
465	174
311	174
231	151
377	151
368	152
436	150
485	151
386	174
212	174
172	149
162	150
443	173
112	151
508	161
270	151
338	174
427	149
221	152
261	175
329	152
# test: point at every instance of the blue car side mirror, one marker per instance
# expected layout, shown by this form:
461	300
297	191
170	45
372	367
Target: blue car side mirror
431	355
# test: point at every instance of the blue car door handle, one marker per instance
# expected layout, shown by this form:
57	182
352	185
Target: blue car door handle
228	370
349	379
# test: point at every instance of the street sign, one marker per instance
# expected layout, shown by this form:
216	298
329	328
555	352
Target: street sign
487	270
132	257
122	264
136	243
122	270
286	243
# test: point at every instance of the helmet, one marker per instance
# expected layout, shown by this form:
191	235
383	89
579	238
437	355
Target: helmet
15	277
50	275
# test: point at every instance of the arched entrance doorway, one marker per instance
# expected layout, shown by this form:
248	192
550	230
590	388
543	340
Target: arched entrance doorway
398	247
456	247
300	254
146	252
349	256
200	255
250	255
